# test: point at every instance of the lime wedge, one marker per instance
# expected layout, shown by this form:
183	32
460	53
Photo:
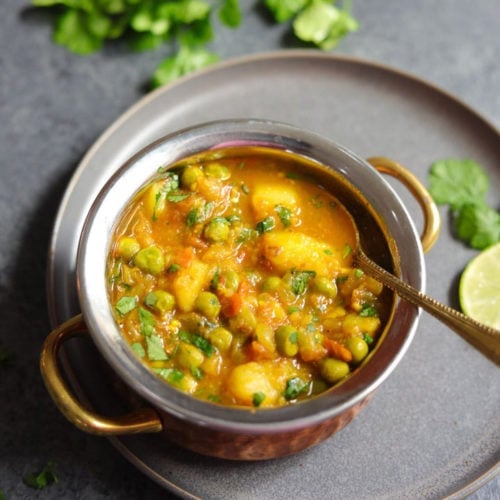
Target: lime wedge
479	289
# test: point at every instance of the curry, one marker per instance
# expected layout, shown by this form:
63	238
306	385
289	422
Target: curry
232	279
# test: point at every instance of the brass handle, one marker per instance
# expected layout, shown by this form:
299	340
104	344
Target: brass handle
139	421
432	220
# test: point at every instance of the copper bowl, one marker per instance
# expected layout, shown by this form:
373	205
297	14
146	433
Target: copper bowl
389	237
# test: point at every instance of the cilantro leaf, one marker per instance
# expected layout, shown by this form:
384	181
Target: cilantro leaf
463	184
368	311
284	214
455	182
79	31
155	349
258	398
294	387
265	225
171	375
41	479
478	224
323	24
146	322
283	10
83	26
187	60
138	349
300	280
230	13
126	304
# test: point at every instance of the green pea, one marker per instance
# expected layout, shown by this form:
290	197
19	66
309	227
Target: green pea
150	260
190	176
208	304
128	247
189	356
287	340
217	230
160	300
333	370
325	286
218	171
229	280
358	347
221	338
271	284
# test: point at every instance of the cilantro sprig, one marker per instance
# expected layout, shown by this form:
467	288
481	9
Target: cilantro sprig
320	22
186	27
462	184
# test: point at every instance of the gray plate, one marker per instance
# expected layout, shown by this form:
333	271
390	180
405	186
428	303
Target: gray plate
432	429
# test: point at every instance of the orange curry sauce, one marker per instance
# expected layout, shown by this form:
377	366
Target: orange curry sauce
232	280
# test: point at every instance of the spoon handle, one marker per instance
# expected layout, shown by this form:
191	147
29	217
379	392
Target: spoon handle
484	338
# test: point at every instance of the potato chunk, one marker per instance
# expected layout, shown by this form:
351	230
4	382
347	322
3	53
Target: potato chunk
249	379
189	283
287	250
265	197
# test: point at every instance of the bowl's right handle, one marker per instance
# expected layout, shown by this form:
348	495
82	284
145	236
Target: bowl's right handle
432	220
139	421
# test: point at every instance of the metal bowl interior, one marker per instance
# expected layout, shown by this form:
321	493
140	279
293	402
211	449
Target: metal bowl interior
387	233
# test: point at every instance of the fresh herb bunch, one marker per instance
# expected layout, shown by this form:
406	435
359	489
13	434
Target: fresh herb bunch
319	22
83	26
463	184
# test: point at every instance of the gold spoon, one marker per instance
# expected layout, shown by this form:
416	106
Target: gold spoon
484	338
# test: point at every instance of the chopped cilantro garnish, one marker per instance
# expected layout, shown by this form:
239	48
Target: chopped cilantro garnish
138	349
126	304
368	311
177	197
294	387
150	299
265	225
293	309
192	217
41	479
197	372
258	398
245	188
198	216
202	344
214	398
347	251
300	280
358	273
214	282
173	268
171	375
146	322
328	251
367	338
284	214
155	350
198	341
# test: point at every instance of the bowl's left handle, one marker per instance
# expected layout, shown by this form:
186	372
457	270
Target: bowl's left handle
139	421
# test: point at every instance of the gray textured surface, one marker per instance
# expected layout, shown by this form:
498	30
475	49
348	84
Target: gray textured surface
53	105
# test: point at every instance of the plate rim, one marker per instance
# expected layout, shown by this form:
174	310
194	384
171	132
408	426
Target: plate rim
233	62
